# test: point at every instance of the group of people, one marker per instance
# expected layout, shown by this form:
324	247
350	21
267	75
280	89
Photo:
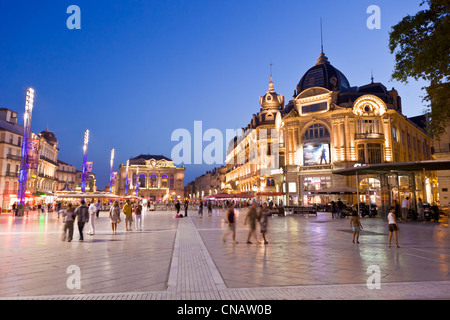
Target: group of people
85	214
253	216
393	227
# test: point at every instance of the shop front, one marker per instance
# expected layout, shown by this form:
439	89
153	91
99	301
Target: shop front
388	183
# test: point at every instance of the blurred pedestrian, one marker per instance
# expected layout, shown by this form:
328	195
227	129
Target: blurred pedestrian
128	211
209	209
200	209
178	207
263	220
114	216
355	224
230	218
69	219
99	206
186	206
138	217
421	209
251	219
393	227
340	206
92	212
82	213
405	209
333	209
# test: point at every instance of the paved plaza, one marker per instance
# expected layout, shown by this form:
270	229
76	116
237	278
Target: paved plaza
307	257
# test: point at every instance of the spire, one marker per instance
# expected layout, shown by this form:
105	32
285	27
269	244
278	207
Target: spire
371	75
322	59
271	87
321	36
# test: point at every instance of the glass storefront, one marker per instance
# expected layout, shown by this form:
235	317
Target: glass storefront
313	184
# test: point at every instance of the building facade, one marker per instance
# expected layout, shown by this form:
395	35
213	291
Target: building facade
152	177
11	134
328	125
208	184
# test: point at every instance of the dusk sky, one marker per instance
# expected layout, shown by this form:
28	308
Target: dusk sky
140	69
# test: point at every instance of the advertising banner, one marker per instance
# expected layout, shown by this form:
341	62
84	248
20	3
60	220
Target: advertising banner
33	153
316	154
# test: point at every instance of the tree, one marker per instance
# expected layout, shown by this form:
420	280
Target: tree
422	51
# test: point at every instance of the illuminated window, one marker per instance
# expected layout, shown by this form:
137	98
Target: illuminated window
164	181
316	131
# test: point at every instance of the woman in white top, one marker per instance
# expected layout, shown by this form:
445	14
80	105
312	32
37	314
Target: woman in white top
393	226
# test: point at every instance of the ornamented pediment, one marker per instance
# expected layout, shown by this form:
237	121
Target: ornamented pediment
369	105
314	91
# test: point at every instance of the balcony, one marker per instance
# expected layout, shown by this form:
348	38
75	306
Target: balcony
372	135
13	157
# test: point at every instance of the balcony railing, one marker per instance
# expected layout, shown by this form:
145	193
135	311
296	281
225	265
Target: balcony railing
372	135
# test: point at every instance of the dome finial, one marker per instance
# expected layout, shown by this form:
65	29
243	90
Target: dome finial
322	58
321	36
271	87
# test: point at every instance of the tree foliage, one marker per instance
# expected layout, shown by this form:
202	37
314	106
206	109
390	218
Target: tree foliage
421	44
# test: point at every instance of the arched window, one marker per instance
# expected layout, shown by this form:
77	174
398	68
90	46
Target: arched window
153	181
316	131
142	183
164	181
172	182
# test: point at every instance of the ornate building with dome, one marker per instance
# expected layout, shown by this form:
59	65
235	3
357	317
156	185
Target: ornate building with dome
151	177
328	125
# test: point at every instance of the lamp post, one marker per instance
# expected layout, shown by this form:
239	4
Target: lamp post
23	173
85	147
126	178
137	181
111	174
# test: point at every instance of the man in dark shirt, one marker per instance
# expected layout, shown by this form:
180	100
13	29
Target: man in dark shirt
82	213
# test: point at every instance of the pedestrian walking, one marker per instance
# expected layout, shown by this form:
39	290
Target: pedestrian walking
27	208
177	207
138	217
99	206
405	209
393	227
200	209
340	206
128	211
333	209
92	212
69	219
186	206
114	216
82	213
421	209
263	220
251	219
209	208
230	218
355	224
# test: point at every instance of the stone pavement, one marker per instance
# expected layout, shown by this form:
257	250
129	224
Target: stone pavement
307	258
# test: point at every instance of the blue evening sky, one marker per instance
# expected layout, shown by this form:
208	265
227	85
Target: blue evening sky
139	69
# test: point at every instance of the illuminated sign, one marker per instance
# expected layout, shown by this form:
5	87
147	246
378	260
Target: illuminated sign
316	154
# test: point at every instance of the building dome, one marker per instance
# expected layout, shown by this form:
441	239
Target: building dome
324	75
271	100
49	136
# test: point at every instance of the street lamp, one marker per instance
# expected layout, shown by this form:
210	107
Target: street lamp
126	178
29	103
111	175
85	147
